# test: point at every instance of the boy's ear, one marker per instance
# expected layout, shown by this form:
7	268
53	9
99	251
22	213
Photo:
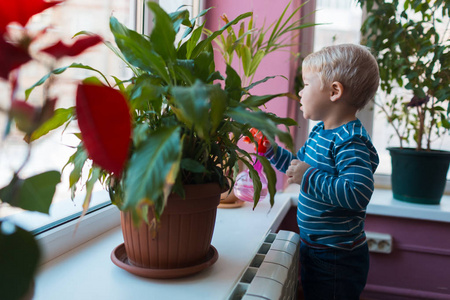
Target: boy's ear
337	90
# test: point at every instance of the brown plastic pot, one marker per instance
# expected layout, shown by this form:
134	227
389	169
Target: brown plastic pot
183	237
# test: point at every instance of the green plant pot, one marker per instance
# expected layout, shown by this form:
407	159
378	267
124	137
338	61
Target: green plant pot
419	176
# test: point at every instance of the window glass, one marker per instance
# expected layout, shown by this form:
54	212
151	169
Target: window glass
53	151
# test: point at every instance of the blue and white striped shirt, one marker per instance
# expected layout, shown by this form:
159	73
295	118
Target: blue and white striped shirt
337	187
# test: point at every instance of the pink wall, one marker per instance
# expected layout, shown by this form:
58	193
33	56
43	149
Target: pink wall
276	63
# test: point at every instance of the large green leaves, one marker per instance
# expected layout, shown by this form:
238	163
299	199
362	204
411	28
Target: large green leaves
152	170
138	50
200	106
34	193
163	33
19	258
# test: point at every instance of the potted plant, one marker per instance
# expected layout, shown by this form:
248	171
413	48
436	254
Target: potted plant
164	141
410	41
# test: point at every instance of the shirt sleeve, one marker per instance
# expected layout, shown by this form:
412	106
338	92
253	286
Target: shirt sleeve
353	185
280	157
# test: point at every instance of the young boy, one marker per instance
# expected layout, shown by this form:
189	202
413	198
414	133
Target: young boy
335	171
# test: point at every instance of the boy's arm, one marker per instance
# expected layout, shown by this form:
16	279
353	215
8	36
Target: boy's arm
280	157
352	187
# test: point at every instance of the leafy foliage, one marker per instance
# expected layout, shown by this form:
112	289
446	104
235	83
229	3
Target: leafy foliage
412	55
252	44
186	117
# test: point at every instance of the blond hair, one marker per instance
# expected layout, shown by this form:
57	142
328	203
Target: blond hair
351	65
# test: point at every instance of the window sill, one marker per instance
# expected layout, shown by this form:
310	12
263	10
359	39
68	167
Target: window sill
86	272
382	203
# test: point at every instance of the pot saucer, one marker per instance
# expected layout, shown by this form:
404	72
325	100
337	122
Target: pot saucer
119	258
235	204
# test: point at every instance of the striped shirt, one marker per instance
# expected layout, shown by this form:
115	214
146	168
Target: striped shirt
337	187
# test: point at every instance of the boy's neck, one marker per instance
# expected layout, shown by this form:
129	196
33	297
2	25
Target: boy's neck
342	114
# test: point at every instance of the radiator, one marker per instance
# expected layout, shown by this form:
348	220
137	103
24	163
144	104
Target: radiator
273	272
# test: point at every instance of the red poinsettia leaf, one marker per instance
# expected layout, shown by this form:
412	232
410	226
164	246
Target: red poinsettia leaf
21	11
11	57
105	124
60	49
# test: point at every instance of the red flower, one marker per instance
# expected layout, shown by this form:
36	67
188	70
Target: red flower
21	11
105	123
11	57
60	49
260	139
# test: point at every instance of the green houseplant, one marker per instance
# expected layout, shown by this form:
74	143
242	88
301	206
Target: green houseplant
410	41
170	128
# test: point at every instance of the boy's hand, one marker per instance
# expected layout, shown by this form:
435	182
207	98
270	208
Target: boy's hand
296	170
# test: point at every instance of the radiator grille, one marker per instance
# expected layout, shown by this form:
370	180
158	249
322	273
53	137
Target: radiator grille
273	272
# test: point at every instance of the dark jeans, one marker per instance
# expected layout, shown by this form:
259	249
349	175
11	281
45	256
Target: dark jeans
332	273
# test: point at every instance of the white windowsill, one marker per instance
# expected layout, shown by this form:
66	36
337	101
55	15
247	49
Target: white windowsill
86	271
382	203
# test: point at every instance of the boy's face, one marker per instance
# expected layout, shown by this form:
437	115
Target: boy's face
316	103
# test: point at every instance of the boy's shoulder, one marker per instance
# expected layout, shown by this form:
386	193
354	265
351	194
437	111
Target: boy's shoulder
351	132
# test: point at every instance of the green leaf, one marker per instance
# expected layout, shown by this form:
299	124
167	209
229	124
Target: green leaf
255	61
219	103
246	60
180	17
34	193
192	166
192	105
94	176
150	167
59	71
163	33
271	177
233	84
19	260
260	120
138	50
199	48
60	116
256	180
193	40
256	101
78	159
260	81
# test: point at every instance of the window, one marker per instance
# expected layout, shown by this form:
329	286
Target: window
52	151
340	23
61	230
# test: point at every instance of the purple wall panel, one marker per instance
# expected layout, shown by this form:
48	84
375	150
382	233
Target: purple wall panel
419	265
